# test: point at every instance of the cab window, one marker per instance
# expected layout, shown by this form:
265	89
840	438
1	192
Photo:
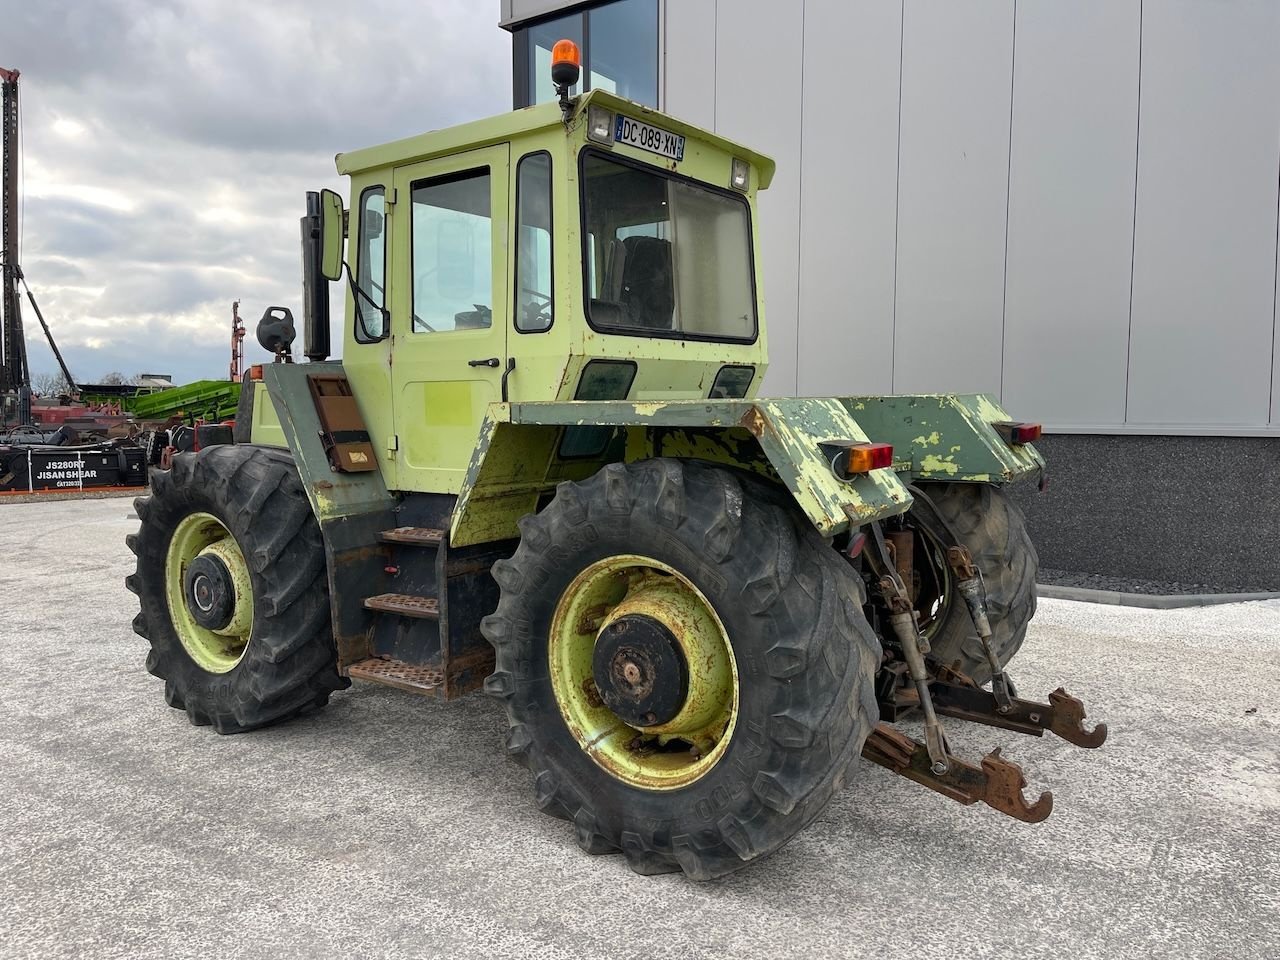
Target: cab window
371	267
672	257
534	297
452	259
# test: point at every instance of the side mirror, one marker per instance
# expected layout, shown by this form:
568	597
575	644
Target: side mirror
330	235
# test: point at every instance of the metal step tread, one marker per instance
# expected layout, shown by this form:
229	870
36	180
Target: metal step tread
415	677
405	605
415	536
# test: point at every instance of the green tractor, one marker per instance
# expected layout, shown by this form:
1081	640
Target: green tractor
541	468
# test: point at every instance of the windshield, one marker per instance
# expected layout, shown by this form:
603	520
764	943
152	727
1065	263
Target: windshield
665	257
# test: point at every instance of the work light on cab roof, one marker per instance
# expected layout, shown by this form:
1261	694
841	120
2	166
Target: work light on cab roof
566	67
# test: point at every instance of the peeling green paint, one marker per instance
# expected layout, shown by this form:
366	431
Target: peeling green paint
932	463
916	424
515	459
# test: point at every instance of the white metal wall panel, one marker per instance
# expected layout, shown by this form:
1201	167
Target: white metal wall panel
759	48
689	61
1205	244
848	202
1071	174
957	66
1275	330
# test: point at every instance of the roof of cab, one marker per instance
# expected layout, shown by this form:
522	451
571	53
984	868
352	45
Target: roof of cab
480	133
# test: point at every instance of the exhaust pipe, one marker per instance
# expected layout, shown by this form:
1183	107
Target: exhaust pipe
315	288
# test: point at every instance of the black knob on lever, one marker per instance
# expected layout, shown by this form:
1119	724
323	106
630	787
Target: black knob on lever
491	362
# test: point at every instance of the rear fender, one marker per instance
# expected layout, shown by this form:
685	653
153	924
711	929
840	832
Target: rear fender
946	437
520	456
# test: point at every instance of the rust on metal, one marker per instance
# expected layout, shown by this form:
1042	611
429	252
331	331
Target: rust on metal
961	562
406	605
1068	721
997	782
413	536
902	550
414	677
753	421
956	695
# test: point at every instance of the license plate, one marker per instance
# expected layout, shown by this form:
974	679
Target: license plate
648	137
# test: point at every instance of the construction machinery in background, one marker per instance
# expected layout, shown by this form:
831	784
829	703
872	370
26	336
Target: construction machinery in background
237	344
542	468
37	456
93	435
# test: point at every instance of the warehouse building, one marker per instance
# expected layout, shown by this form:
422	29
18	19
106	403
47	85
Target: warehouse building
1072	206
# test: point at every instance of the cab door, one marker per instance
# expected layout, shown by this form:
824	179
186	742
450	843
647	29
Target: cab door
449	312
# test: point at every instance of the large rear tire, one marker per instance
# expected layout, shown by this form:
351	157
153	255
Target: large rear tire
233	589
992	527
773	605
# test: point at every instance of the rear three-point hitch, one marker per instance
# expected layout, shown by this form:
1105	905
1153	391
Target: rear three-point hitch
911	679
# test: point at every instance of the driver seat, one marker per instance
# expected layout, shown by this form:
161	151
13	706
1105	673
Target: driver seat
647	291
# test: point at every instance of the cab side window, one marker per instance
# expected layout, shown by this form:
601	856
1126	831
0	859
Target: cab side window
452	253
371	267
534	295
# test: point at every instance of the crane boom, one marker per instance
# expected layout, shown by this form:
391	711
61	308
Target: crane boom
15	378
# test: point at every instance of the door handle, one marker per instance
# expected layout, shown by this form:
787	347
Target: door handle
511	365
491	362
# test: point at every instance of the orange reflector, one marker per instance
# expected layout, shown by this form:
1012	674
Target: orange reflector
862	457
255	372
1018	433
566	51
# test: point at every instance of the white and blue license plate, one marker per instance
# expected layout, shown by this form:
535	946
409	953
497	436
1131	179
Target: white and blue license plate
648	137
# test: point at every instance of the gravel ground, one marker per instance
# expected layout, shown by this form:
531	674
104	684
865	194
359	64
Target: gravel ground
391	826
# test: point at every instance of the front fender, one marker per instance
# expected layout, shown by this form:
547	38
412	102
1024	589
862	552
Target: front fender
517	458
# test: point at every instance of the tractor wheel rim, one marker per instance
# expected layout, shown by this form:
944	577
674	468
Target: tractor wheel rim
652	638
209	591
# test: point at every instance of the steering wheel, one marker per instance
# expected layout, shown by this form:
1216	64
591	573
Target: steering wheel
534	313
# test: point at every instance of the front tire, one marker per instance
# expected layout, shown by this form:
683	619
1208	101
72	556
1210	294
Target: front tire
251	643
789	609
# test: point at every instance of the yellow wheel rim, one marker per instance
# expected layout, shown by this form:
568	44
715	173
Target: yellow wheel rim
218	648
682	747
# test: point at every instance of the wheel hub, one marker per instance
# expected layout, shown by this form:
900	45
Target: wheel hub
640	671
208	592
643	672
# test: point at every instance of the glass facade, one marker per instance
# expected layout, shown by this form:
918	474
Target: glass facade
619	42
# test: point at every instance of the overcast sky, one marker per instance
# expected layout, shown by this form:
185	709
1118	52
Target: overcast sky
169	144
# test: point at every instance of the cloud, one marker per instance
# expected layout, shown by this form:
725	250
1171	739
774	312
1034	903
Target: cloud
168	145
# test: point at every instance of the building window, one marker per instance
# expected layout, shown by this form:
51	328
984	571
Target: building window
623	40
371	268
534	294
619	42
452	253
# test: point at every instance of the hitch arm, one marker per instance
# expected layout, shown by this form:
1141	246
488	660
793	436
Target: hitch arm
997	782
1063	715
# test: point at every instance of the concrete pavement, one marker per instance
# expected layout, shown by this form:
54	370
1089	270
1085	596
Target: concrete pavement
389	825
